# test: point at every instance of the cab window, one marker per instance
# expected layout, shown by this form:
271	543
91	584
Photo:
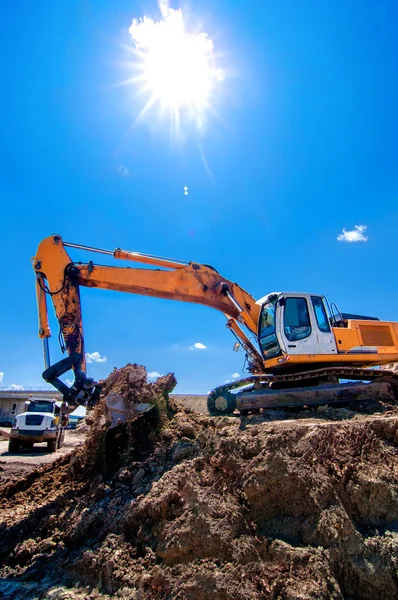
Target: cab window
320	314
297	319
38	406
267	337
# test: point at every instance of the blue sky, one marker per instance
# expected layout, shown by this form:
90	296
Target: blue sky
303	143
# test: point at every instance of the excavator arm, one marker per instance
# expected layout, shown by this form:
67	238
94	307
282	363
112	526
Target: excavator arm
58	277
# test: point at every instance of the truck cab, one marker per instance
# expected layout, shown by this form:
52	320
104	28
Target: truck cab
43	421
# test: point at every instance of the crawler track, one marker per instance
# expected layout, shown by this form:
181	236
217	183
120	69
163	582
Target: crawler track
298	387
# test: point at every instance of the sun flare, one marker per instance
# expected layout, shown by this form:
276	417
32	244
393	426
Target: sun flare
177	68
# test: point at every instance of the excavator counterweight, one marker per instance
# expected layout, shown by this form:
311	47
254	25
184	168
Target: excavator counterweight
305	347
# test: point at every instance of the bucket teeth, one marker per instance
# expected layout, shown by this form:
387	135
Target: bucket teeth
142	407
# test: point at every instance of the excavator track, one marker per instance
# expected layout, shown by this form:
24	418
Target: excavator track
306	388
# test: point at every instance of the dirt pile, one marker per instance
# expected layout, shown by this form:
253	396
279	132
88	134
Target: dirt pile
211	508
131	382
12	473
105	448
4	435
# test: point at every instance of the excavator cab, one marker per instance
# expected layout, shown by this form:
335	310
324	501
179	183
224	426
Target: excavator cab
313	355
295	324
302	331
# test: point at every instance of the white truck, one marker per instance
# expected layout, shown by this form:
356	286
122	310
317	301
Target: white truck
44	421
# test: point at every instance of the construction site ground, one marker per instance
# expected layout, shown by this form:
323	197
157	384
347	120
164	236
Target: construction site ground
283	504
14	465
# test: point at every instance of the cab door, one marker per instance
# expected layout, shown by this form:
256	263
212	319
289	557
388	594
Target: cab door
324	332
304	325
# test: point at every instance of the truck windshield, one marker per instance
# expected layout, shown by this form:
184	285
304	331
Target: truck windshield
267	337
38	406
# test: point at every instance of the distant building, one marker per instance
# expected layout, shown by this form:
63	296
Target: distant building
13	402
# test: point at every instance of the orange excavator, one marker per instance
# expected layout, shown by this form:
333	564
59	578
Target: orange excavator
306	352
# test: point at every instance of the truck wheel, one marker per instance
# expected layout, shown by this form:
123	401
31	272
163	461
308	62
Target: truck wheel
14	445
52	445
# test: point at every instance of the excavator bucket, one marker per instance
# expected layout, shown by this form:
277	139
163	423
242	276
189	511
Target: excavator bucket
119	411
128	394
133	408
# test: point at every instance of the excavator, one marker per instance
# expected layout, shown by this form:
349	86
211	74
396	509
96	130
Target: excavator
300	350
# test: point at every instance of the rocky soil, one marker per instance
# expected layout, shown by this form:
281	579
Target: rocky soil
4	435
180	505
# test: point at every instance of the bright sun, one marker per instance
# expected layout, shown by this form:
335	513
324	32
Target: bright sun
176	68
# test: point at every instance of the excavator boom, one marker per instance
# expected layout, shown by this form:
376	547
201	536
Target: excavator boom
60	278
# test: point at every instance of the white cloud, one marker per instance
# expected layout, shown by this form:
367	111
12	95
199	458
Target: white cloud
355	235
1	376
95	357
198	346
14	387
153	375
69	382
123	171
234	377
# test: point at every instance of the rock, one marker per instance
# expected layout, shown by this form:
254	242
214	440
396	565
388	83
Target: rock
138	477
188	430
183	450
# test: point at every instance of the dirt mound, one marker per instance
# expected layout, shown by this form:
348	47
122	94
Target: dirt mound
105	448
210	508
131	382
12	473
4	435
